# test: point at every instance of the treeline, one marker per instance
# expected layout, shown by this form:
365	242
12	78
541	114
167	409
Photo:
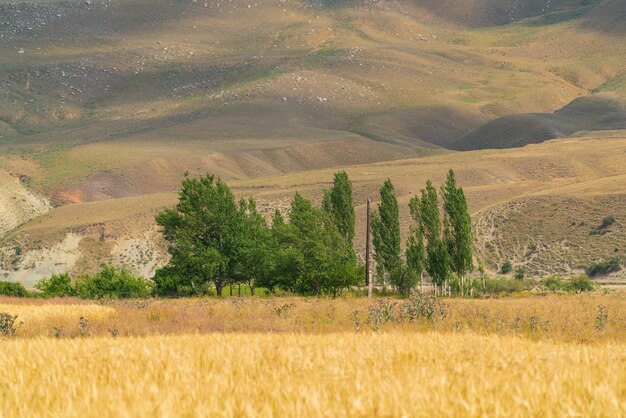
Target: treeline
216	242
439	244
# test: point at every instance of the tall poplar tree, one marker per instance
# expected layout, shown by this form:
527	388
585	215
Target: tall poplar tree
386	232
415	249
338	204
458	234
438	259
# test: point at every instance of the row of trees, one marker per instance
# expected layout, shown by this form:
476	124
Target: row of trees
438	245
215	241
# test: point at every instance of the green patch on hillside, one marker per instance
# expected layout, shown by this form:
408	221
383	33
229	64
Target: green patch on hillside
615	84
465	86
61	169
470	99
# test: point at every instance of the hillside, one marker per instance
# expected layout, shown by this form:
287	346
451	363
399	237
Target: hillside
591	113
105	104
536	206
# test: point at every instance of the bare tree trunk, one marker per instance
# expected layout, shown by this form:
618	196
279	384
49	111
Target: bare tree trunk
218	287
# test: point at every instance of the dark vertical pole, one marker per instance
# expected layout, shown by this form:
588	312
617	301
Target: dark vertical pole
367	250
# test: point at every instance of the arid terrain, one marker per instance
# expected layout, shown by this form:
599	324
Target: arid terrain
105	104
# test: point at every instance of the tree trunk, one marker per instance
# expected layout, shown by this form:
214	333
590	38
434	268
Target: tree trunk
218	287
239	290
231	288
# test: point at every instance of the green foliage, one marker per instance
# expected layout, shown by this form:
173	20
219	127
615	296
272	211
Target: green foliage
553	283
253	256
404	279
603	267
168	283
311	255
386	231
111	283
498	285
601	229
58	285
338	205
203	232
458	231
415	257
506	267
14	289
519	273
439	259
580	284
575	284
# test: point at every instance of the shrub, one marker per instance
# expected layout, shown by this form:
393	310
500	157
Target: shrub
59	285
167	283
7	324
519	273
580	284
553	283
112	283
603	267
495	285
606	222
12	289
424	306
506	268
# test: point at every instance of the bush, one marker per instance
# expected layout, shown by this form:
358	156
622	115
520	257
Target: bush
8	327
601	229
12	289
553	283
506	268
167	283
495	285
59	285
519	273
113	284
580	284
603	267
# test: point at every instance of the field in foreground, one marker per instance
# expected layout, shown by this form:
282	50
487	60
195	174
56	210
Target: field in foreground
543	355
351	374
598	317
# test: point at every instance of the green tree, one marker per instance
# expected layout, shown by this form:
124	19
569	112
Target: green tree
338	204
253	261
58	285
312	255
203	233
386	232
112	283
458	228
415	250
438	259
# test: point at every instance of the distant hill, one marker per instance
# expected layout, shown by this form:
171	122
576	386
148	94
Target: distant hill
593	113
104	104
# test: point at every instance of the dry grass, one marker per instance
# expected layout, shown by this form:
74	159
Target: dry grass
349	374
568	318
533	356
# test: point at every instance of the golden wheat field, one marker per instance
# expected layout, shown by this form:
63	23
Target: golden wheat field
350	374
543	356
